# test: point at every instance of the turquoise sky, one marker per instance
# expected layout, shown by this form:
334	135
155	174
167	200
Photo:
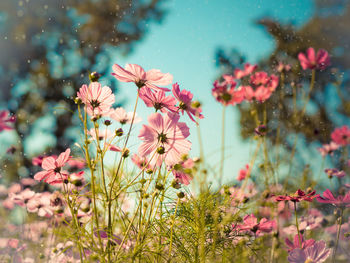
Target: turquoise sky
185	44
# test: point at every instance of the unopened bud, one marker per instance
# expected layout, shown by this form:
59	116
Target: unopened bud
175	184
196	104
125	153
94	76
159	187
78	101
119	132
180	195
161	150
108	122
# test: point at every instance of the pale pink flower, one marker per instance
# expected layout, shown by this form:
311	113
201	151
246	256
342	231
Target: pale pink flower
261	86
23	197
76	163
243	173
182	171
102	134
311	61
15	188
341	135
328	148
28	181
5	120
316	253
135	73
141	162
53	173
283	67
41	204
158	100
38	160
250	223
334	172
184	98
165	137
296	243
123	117
98	99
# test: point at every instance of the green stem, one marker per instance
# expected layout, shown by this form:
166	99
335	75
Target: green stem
338	235
222	146
296	223
172	230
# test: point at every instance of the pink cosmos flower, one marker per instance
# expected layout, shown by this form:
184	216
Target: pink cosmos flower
37	161
165	137
341	135
329	198
283	67
298	196
296	244
76	163
313	219
5	120
135	73
262	86
158	100
184	98
334	172
123	117
182	171
310	61
22	198
40	204
102	134
243	173
53	173
248	69
140	162
227	94
250	223
316	253
98	99
328	148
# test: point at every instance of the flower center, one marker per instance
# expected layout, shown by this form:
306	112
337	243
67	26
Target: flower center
226	97
308	260
95	103
158	105
162	138
140	83
57	170
182	106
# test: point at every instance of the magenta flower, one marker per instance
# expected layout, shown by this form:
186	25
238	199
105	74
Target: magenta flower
250	223
98	99
328	148
261	86
298	196
123	117
135	73
185	102
165	137
341	135
158	100
316	253
41	204
283	67
5	120
227	94
329	198
295	244
53	173
248	69
243	173
22	198
311	61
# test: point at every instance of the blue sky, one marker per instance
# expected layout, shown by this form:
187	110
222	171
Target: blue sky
185	44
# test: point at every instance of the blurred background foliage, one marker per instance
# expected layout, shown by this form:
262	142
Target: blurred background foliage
329	104
48	48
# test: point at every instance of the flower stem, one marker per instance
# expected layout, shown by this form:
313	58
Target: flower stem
296	223
172	229
222	146
338	234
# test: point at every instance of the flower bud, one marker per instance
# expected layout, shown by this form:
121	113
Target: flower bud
175	184
161	150
125	153
108	122
159	187
196	104
119	132
94	76
180	195
78	101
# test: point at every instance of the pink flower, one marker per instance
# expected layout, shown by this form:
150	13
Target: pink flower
22	198
76	163
165	137
227	94
296	244
123	117
140	162
37	161
158	100
53	173
185	102
40	204
102	134
5	120
298	196
248	69
283	67
341	135
98	99
334	172
328	148
316	253
310	61
329	198
243	173
250	223
261	86
182	171
135	73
